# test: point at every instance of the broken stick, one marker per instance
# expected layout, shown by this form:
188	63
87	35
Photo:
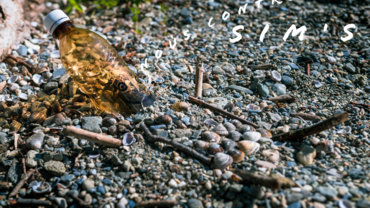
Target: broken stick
283	99
92	137
262	66
199	80
274	182
176	145
219	110
299	134
21	182
31	202
164	203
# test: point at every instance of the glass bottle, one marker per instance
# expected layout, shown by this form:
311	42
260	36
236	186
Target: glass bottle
96	68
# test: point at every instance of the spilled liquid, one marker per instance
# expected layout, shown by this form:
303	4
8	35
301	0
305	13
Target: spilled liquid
101	73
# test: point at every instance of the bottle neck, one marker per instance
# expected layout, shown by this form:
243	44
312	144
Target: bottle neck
62	29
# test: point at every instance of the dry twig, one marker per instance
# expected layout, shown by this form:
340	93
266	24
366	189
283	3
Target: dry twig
164	203
274	182
299	134
283	99
21	182
262	66
21	61
360	104
30	202
176	145
91	136
199	80
219	110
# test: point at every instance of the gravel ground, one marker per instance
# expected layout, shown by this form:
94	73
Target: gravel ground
330	169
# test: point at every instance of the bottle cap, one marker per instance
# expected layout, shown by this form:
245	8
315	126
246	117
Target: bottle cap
55	18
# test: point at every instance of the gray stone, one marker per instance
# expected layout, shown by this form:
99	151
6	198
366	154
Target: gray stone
235	187
363	203
30	159
287	80
263	90
327	191
294	197
3	137
22	50
92	123
59	73
183	132
50	86
88	184
36	140
195	203
55	167
241	89
280	89
350	68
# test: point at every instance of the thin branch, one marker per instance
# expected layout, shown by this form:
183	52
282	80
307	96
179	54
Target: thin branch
158	204
199	80
360	104
283	99
299	134
21	182
30	202
219	110
91	136
274	182
262	66
176	145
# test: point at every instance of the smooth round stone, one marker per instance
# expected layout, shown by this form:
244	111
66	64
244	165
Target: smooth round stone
122	203
287	80
22	50
36	140
280	89
37	79
276	76
195	203
88	184
252	136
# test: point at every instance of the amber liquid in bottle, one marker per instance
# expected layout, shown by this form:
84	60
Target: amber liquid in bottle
100	72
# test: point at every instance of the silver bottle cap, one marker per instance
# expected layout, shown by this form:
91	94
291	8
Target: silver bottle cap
55	18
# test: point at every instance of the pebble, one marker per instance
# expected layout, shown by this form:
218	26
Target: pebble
280	89
263	90
194	203
306	155
276	76
88	184
350	68
37	79
287	80
55	167
92	123
36	140
241	89
30	159
252	136
22	50
329	192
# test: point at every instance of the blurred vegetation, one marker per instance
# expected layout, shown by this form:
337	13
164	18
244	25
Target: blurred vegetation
133	5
